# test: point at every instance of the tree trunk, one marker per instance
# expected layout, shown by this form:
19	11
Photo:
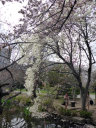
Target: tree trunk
34	91
83	99
84	94
83	102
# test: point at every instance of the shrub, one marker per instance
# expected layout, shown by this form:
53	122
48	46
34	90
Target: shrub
18	98
7	102
28	101
23	99
41	108
2	101
85	114
68	113
41	96
74	113
26	112
47	102
61	110
64	112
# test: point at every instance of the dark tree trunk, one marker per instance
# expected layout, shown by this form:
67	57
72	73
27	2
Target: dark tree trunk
83	100
34	93
34	90
84	94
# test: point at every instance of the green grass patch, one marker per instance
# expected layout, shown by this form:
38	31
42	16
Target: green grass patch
22	90
92	93
48	90
43	91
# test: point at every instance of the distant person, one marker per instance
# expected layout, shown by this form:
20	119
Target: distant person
66	99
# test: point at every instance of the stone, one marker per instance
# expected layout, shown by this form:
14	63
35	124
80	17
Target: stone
88	126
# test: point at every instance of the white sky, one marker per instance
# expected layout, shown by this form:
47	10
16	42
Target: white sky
9	16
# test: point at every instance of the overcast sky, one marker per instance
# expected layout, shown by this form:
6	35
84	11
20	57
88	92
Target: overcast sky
9	15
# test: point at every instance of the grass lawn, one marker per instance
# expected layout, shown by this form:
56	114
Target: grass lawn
22	90
92	93
43	91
